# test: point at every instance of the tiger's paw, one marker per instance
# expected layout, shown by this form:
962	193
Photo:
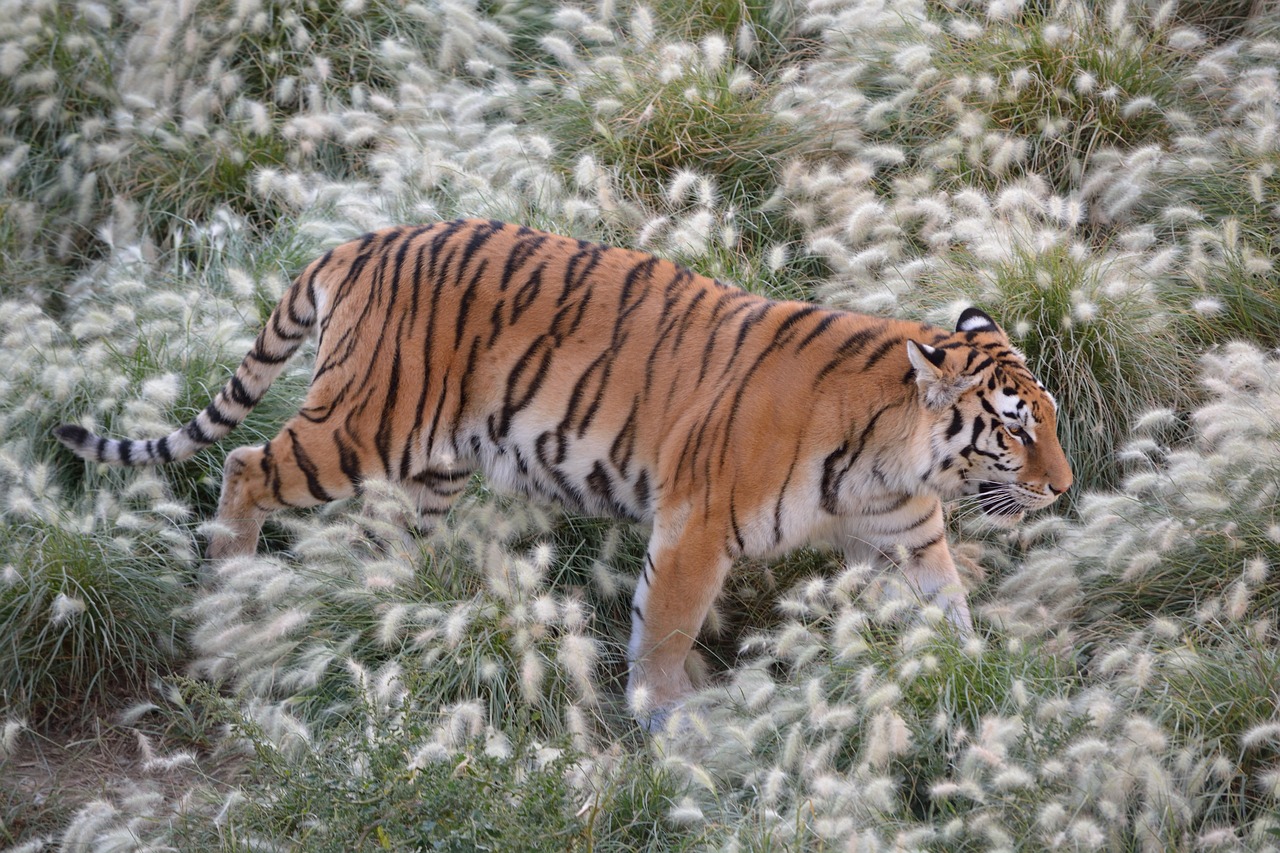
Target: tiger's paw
656	694
678	719
651	712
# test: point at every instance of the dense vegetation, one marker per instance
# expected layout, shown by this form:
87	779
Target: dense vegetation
1103	177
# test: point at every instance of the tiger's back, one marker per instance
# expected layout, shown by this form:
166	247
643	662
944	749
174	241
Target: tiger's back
621	384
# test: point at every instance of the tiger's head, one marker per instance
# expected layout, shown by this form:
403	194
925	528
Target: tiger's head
993	425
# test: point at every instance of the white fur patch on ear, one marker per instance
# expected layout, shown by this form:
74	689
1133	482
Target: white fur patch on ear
975	320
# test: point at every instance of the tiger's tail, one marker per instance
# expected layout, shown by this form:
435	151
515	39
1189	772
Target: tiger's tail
290	324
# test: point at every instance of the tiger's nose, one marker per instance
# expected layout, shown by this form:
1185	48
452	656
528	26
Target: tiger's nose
1057	489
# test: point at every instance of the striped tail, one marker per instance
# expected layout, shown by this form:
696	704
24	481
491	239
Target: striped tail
289	325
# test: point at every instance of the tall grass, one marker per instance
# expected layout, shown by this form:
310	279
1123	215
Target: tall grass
1099	178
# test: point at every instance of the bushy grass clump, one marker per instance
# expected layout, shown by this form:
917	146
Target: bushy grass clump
177	113
1168	583
1194	531
767	34
472	609
86	617
1221	20
394	771
98	560
984	96
660	107
1069	80
663	119
56	85
355	790
852	725
90	579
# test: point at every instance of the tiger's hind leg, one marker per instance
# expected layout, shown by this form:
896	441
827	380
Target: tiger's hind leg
300	467
682	576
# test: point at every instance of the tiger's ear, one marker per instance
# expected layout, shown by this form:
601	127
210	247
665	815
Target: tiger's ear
940	383
976	320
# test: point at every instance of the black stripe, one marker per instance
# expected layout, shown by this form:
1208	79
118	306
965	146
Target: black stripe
481	233
438	412
527	293
464	301
437	273
257	353
518	256
271	475
818	330
291	299
597	373
840	461
624	442
72	434
588	255
496	321
442	482
897	504
851	346
216	416
382	437
626	304
681	281
733	523
642	492
979	424
535	362
751	320
309	470
280	333
671	320
919	550
782	494
924	519
196	433
717	324
883	350
238	394
568	491
780	339
464	386
348	459
601	484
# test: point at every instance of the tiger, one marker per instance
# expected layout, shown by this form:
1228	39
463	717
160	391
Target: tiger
617	383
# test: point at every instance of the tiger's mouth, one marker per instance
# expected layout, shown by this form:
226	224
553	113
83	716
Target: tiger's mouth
1001	503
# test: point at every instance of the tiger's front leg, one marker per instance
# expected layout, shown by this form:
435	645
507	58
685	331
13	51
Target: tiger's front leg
685	567
932	574
914	539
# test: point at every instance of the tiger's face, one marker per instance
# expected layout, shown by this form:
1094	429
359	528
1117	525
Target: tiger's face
993	425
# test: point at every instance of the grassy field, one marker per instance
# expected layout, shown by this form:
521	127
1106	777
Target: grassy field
1104	178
